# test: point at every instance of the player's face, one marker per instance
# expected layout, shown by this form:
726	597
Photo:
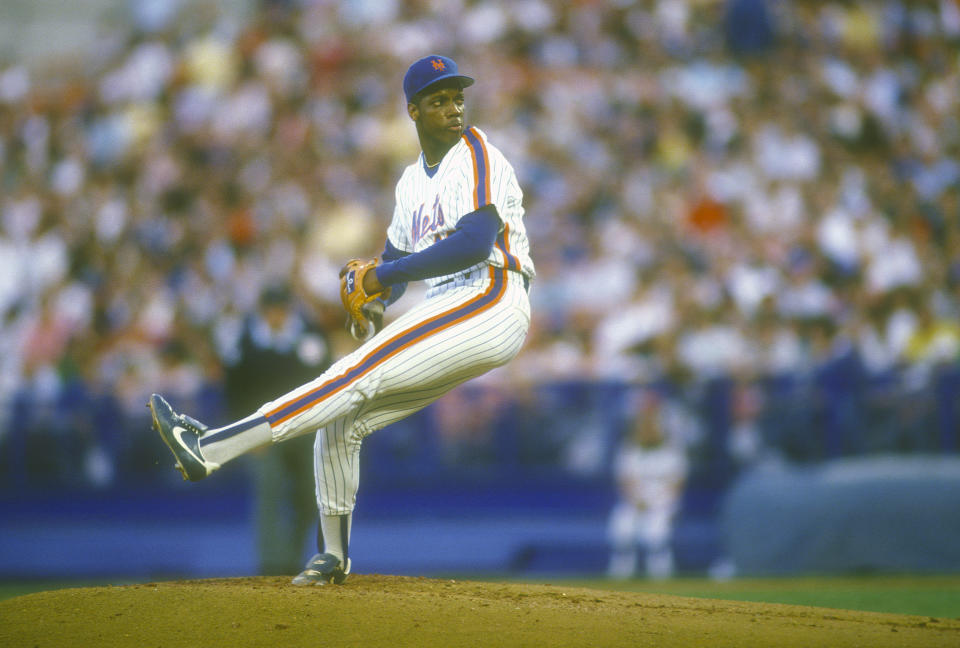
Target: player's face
439	117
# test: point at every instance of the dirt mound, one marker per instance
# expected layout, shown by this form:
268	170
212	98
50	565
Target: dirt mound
372	610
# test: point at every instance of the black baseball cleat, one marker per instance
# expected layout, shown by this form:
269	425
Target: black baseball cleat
182	435
322	569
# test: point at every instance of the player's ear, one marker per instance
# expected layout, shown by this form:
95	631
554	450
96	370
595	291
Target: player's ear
414	111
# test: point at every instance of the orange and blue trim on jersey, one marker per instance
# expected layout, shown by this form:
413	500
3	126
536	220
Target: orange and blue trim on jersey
393	346
482	195
503	244
481	168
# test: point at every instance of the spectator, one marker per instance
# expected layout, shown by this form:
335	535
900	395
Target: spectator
820	176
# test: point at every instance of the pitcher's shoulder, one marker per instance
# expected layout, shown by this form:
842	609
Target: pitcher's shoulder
478	138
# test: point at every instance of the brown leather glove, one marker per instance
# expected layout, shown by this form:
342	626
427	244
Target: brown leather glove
364	315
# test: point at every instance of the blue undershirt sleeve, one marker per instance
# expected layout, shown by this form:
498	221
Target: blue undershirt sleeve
468	244
392	253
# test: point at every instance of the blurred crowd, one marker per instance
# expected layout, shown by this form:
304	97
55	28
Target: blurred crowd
740	187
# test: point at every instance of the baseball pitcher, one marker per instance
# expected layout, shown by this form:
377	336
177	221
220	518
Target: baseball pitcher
458	226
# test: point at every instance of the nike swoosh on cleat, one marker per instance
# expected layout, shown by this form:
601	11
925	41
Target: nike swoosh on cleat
178	432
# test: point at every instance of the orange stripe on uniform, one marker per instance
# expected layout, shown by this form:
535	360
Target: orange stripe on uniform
481	168
390	348
503	244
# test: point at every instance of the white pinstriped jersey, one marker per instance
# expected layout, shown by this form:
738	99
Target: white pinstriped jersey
462	329
472	174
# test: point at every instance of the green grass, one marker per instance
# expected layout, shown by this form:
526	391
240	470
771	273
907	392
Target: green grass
933	596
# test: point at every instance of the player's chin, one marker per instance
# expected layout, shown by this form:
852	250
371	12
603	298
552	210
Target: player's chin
447	137
450	131
451	134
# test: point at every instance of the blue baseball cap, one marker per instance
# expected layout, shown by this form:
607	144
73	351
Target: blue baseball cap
427	71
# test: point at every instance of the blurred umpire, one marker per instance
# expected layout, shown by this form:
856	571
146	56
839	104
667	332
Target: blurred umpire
279	348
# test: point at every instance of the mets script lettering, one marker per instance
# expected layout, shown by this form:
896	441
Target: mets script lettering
426	222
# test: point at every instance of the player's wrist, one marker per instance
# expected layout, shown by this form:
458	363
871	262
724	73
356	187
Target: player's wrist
371	282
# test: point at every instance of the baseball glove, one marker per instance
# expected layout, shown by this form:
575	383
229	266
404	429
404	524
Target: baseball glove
364	313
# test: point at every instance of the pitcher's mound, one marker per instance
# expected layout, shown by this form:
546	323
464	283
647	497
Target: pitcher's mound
373	610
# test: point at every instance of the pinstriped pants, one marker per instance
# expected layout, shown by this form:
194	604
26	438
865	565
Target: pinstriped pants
438	344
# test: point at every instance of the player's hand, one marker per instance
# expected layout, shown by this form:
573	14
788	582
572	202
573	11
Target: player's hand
371	324
364	313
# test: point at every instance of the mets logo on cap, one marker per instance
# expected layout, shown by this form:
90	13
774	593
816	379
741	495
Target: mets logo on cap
429	70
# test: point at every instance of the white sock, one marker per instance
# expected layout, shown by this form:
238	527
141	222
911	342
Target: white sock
623	563
660	563
229	442
336	535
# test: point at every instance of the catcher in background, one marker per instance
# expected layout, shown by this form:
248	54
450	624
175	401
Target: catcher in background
458	226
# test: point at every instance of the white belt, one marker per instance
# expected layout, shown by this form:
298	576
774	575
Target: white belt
475	274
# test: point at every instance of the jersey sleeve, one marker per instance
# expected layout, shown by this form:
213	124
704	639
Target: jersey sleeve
469	244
